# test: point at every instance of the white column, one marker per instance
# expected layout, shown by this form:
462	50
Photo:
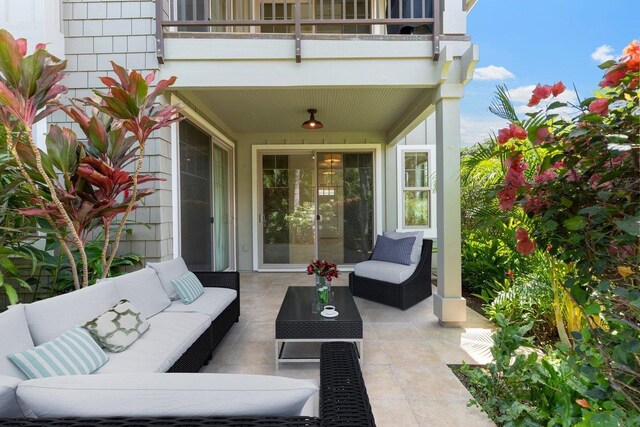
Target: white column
448	304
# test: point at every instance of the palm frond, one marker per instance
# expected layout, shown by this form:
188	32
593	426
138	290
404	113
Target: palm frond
502	107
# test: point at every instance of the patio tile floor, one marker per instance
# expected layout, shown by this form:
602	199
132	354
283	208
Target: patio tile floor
406	353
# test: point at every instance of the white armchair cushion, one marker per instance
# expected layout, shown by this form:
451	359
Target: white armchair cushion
168	271
416	251
51	317
164	395
168	337
212	303
8	404
142	288
384	271
14	338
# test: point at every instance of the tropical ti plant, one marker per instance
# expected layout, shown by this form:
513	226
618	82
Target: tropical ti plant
79	186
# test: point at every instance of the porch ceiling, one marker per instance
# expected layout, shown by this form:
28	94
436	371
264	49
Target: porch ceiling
258	110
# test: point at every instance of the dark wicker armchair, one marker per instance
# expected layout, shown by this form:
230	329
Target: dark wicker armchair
403	295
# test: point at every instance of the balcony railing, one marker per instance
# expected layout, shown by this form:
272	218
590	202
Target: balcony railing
298	17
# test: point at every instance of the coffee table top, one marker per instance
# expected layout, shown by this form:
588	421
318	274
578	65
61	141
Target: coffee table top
296	320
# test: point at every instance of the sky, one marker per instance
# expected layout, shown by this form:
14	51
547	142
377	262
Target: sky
526	42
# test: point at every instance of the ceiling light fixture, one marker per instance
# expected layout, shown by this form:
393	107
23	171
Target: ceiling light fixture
312	123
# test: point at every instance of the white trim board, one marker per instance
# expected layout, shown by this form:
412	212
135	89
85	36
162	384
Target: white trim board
290	148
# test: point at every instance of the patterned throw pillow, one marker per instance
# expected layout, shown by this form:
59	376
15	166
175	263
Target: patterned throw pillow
119	327
72	353
188	288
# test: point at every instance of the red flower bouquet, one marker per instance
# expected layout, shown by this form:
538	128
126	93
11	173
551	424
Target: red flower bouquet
323	268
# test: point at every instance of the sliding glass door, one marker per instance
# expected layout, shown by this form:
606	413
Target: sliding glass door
315	205
205	201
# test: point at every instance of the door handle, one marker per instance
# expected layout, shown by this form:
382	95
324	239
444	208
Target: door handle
260	218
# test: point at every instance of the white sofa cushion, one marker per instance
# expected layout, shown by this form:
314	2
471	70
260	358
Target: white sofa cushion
73	353
416	251
168	337
118	328
51	317
212	303
14	338
384	271
8	404
168	271
142	288
152	395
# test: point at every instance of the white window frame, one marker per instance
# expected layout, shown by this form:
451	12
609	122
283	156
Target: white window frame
430	232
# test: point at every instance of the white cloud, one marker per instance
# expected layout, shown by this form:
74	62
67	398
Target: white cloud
492	72
602	54
475	129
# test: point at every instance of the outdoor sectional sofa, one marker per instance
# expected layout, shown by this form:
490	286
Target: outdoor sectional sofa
154	380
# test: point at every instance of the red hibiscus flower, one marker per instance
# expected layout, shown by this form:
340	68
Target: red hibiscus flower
507	198
542	92
614	75
504	135
599	106
542	134
517	132
557	88
524	245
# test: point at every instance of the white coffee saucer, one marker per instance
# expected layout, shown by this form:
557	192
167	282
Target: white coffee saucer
326	314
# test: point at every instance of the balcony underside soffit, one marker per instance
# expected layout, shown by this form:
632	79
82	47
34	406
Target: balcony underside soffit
281	110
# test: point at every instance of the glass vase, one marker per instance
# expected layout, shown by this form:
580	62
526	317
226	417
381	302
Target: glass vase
323	294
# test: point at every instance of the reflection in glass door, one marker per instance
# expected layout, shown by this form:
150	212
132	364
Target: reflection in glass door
288	209
316	205
205	201
195	197
345	206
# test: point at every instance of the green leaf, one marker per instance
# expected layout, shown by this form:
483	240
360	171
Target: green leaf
556	104
607	64
592	309
575	223
578	132
630	225
566	202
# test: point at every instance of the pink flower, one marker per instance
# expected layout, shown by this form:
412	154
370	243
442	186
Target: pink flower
507	198
515	178
596	182
517	132
559	164
546	176
524	245
536	204
557	88
542	134
522	234
504	135
516	163
572	176
599	106
534	100
542	92
614	75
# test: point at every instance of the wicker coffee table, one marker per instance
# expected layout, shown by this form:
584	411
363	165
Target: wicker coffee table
296	322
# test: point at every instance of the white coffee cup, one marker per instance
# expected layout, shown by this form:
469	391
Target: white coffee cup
329	309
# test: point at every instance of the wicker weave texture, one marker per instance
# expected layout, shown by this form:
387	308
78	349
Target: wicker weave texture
404	295
343	395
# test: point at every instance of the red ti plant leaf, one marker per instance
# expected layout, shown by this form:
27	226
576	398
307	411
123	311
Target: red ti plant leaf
62	149
10	56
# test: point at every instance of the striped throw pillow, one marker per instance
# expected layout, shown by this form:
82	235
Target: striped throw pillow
72	353
188	288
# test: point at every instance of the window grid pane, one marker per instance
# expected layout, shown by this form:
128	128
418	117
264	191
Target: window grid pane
416	191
